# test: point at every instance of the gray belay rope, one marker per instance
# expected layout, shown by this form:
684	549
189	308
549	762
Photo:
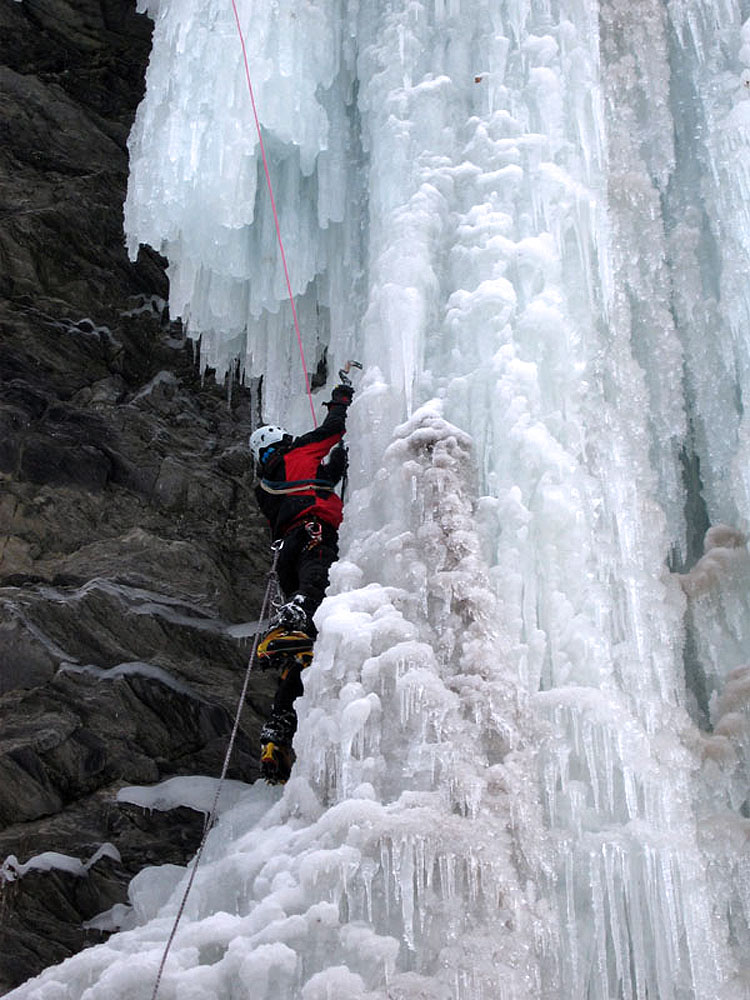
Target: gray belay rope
210	819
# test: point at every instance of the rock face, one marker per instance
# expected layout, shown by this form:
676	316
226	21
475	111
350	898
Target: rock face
129	540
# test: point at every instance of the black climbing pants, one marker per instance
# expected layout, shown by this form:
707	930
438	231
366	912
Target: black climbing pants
304	562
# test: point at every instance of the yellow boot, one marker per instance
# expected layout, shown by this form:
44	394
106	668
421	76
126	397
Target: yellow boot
275	763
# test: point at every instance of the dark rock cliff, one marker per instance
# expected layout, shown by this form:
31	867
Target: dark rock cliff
128	536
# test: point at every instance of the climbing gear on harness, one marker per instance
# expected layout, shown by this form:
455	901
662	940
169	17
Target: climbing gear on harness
315	531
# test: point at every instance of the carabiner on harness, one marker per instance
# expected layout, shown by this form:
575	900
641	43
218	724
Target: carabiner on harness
315	531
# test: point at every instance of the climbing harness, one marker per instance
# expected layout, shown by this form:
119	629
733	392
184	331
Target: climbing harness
295	486
271	587
273	209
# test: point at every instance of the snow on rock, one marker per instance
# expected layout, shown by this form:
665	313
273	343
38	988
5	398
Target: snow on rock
194	791
11	869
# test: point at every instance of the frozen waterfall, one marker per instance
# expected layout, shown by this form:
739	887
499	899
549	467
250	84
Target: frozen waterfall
524	745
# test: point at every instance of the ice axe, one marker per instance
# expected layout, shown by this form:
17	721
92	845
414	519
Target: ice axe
344	372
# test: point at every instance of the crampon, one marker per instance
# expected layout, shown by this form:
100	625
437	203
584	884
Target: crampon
283	644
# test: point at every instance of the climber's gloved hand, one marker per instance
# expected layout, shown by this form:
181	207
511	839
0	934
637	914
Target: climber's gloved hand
342	395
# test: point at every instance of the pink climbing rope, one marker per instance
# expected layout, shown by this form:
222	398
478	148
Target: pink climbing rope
273	208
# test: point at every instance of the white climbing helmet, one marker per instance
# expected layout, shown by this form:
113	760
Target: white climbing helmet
265	436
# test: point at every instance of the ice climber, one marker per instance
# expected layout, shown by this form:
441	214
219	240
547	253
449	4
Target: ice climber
296	492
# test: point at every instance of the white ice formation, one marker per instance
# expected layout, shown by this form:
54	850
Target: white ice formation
523	757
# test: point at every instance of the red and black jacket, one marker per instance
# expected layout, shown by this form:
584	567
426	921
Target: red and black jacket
297	485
